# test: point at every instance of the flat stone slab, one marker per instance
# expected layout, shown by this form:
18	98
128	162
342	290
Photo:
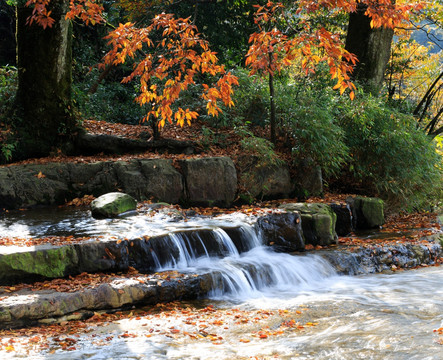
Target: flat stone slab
25	308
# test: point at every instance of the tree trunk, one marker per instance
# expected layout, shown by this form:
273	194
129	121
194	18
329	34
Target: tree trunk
372	47
272	104
44	63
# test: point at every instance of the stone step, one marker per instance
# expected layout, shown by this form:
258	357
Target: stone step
26	307
286	231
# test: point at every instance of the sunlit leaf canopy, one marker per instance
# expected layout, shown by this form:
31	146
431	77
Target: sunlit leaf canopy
169	53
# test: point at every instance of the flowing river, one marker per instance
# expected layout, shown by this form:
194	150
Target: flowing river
341	317
272	306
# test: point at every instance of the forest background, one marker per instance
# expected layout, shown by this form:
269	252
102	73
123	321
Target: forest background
352	87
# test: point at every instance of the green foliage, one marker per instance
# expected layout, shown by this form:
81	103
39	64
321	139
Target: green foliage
210	137
249	99
225	24
112	102
305	112
389	155
258	146
8	87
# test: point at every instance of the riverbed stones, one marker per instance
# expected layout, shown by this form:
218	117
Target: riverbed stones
317	221
112	204
367	212
283	231
209	181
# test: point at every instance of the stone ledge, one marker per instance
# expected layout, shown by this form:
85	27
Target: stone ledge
27	308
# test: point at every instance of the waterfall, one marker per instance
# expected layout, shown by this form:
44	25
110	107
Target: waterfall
241	266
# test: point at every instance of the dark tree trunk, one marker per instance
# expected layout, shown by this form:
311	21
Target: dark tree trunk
7	34
372	47
272	104
44	63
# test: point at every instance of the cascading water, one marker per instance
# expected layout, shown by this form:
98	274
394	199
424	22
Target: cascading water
243	268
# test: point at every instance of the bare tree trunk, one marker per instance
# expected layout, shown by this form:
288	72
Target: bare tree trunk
44	63
372	47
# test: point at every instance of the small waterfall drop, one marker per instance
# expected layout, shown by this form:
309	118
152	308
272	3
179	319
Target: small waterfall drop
241	266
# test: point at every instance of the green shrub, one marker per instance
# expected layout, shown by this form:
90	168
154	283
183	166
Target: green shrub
112	102
306	115
258	146
8	88
389	155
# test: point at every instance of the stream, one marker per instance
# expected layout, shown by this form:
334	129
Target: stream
266	305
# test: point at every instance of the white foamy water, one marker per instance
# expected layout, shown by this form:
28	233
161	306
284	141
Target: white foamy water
367	317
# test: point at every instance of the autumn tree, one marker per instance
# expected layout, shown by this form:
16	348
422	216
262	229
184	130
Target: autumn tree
169	54
369	36
282	40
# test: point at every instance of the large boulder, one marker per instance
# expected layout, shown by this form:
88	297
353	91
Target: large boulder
266	181
164	182
344	225
209	181
112	204
283	231
317	220
30	185
367	212
95	178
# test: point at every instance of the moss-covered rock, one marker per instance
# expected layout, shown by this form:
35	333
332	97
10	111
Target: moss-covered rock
112	204
46	263
317	220
367	212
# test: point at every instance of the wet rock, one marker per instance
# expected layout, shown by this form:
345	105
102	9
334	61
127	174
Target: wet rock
102	256
368	213
261	180
317	221
282	231
383	259
343	225
49	262
112	204
209	181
